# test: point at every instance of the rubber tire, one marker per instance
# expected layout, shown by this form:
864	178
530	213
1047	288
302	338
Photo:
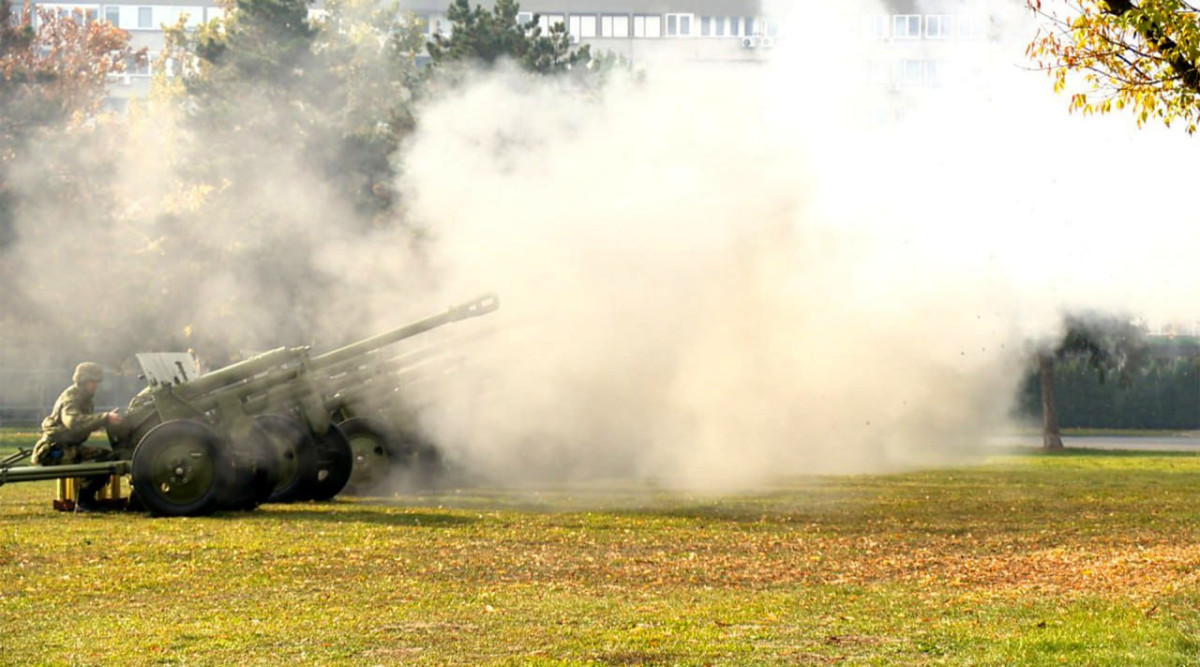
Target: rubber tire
296	454
146	464
335	463
255	470
367	471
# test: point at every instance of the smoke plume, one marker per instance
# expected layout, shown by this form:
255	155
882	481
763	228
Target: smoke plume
709	274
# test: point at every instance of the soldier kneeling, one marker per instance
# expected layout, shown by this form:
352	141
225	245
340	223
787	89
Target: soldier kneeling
67	429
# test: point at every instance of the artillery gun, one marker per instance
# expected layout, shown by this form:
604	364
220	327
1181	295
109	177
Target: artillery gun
265	429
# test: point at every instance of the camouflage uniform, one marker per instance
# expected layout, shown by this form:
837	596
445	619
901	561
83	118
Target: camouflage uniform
67	429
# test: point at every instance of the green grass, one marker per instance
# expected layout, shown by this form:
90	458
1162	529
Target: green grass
1080	558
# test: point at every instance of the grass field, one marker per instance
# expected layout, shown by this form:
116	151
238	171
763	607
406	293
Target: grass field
1082	558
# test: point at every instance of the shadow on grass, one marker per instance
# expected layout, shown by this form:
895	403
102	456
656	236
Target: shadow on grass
1083	452
334	513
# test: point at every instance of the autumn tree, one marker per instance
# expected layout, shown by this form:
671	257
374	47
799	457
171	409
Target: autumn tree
1140	55
1112	345
53	71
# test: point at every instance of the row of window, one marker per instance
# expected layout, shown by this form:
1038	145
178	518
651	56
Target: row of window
580	26
905	72
590	26
928	26
129	17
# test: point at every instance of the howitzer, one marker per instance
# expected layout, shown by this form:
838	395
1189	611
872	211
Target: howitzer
256	431
366	398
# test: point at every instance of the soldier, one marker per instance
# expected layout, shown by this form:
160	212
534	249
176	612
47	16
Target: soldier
66	430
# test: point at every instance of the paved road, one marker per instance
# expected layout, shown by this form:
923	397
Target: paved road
1153	442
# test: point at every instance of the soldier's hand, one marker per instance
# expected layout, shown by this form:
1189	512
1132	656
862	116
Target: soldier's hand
114	418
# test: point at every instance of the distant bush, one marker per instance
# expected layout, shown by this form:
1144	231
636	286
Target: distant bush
1165	394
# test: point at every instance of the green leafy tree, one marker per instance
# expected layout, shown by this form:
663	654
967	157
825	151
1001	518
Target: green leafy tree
289	126
336	89
1109	344
1138	55
478	36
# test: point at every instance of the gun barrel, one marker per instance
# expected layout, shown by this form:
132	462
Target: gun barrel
474	308
241	371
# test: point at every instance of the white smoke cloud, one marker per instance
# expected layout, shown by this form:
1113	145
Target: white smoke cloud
731	272
713	276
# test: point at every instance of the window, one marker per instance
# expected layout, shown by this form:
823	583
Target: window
582	26
524	19
679	25
971	26
706	26
933	72
549	21
719	25
614	26
876	72
138	66
647	25
911	72
748	25
772	28
145	17
938	26
113	15
876	27
734	26
906	26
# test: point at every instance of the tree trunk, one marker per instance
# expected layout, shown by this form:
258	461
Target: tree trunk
1051	438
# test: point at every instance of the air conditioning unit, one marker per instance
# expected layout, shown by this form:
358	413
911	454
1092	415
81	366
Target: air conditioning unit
766	42
749	42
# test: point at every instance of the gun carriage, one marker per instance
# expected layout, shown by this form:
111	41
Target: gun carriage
281	426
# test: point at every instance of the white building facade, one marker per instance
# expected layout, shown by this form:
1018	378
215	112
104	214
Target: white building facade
920	36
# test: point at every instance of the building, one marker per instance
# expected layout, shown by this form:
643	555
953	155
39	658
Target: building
919	37
641	30
144	23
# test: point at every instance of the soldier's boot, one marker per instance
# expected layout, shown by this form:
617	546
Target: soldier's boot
86	502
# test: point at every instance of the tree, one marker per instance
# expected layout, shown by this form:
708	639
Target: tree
479	36
1143	55
1110	344
53	73
289	124
336	88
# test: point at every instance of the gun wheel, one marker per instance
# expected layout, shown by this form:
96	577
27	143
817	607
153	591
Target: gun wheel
177	470
335	463
296	454
371	459
255	466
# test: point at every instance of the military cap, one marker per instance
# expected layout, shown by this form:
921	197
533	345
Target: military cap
88	370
